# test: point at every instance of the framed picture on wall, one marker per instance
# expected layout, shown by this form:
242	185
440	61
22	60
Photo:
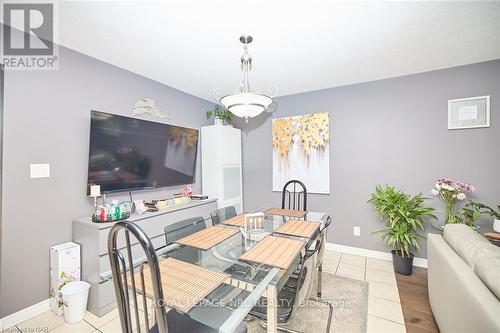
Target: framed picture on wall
301	150
471	112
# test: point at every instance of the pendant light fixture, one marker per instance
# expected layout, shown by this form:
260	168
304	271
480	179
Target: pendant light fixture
245	102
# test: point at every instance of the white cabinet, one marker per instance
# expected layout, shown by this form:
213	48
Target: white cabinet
221	165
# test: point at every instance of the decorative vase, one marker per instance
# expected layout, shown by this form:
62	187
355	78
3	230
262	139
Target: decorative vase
496	225
218	121
449	215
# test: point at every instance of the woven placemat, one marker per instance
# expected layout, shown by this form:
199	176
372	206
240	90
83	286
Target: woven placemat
238	221
286	212
207	238
274	251
298	228
184	284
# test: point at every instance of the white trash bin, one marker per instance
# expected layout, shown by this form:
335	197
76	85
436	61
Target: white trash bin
75	295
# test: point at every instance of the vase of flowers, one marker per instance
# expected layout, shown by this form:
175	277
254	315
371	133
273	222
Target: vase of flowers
451	192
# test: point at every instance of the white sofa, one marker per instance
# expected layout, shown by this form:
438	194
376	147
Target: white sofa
464	281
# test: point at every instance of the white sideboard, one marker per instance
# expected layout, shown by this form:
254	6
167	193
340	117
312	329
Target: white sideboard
221	165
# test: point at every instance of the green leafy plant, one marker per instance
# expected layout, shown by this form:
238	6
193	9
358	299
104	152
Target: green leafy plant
403	215
469	214
220	112
483	209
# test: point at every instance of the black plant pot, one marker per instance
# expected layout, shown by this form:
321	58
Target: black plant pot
402	265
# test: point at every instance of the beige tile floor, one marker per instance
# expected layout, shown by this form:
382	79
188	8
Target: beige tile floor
384	308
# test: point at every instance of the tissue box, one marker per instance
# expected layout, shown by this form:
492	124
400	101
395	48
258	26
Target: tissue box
64	268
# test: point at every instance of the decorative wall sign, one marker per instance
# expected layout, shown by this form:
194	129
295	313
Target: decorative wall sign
147	106
301	151
469	112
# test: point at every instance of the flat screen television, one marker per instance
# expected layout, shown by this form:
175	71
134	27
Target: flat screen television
130	154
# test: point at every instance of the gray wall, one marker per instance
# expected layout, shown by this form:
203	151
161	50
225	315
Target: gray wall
47	117
391	131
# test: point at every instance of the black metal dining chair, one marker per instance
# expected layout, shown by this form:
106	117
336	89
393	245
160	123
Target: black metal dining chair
296	288
222	214
183	228
319	248
294	193
125	287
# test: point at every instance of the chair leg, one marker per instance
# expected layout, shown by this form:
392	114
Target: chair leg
320	279
263	324
330	312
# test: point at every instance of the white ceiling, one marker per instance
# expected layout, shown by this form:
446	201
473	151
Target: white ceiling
298	46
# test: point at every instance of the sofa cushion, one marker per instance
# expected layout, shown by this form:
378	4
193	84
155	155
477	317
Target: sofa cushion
487	268
468	244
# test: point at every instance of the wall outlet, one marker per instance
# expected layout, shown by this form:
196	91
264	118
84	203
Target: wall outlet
39	170
357	231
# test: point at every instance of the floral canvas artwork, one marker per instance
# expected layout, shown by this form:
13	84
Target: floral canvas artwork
301	151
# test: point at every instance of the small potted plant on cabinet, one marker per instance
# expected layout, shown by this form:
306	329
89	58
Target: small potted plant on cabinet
403	215
220	115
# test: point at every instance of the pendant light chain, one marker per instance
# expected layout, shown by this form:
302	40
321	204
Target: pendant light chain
246	103
246	63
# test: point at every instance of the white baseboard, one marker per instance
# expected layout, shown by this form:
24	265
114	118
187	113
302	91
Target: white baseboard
24	314
420	262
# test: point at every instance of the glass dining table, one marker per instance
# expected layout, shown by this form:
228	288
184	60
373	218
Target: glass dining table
226	307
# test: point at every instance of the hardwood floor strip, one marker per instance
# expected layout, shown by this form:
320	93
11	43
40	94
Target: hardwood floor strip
414	299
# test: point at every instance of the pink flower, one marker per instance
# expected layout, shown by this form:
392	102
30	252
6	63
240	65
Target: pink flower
446	180
435	192
461	196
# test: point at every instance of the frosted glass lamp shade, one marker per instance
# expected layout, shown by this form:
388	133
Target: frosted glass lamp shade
246	105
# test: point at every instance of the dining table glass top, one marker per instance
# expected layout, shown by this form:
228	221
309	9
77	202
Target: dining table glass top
219	310
223	257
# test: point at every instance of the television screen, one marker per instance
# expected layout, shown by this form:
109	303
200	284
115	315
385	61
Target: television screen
128	153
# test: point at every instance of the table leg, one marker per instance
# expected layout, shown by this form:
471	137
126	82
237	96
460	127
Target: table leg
272	309
320	279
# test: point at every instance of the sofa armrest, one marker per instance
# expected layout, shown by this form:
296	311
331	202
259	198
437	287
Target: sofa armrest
459	299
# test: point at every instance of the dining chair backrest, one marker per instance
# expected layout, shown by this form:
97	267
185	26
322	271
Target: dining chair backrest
294	195
304	279
321	241
183	228
301	287
222	214
124	280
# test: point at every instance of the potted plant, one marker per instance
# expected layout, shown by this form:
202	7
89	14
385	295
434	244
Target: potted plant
220	114
483	209
468	215
451	192
403	215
